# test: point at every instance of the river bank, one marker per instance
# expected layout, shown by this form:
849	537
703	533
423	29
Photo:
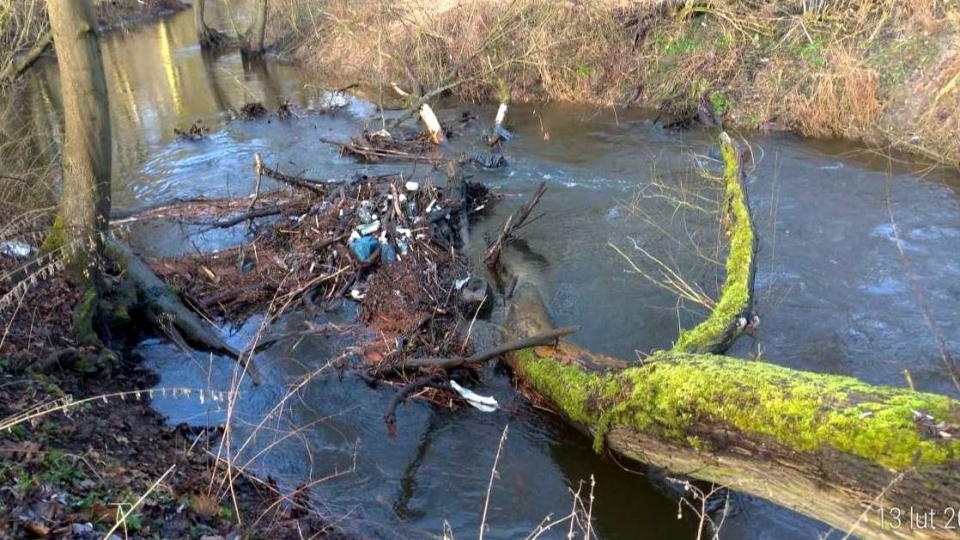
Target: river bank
83	451
884	73
826	215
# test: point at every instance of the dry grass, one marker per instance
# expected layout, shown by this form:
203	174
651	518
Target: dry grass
21	25
886	71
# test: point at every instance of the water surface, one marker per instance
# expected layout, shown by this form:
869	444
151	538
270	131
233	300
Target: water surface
848	239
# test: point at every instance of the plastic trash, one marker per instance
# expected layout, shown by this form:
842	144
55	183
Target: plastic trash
483	403
403	244
369	228
458	284
18	250
364	212
364	247
412	186
489	161
387	253
504	134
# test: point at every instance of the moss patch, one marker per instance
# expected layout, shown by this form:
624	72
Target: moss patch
735	293
676	394
84	315
56	237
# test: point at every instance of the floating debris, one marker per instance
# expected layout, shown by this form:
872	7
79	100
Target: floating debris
196	132
253	110
483	403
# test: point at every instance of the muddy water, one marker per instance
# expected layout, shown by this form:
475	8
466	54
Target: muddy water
835	292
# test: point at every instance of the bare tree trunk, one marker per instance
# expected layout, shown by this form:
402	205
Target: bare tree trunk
251	46
85	209
206	36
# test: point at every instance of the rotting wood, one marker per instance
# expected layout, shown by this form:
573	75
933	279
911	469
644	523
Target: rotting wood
823	445
168	313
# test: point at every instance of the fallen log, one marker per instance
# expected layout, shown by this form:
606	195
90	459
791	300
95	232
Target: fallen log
168	313
830	447
826	446
733	314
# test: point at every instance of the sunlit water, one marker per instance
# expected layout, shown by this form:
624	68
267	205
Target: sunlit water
833	290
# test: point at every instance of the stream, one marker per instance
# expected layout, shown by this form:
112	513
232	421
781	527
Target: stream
856	249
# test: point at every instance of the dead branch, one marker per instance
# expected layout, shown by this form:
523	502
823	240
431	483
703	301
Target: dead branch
168	313
546	338
514	222
389	414
226	223
318	187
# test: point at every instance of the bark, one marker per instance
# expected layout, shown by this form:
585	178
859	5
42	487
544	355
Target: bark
831	447
733	313
251	46
85	208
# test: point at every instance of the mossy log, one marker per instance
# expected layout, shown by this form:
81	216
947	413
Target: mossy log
733	312
830	447
168	313
826	446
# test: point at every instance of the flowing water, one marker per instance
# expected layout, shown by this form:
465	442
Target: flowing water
855	248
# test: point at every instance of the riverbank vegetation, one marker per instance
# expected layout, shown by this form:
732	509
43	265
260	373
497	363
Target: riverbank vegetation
885	72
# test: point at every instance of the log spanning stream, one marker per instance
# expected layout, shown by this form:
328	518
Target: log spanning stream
847	241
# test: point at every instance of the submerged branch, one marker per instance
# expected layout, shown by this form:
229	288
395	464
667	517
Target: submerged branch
492	257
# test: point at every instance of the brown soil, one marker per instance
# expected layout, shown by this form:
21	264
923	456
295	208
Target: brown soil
68	464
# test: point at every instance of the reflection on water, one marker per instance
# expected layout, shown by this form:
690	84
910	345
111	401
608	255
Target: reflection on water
832	289
159	81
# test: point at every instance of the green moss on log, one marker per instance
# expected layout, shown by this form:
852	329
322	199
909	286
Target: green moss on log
735	293
56	237
83	316
675	396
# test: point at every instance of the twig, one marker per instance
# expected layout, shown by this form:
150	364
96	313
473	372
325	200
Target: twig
493	474
258	166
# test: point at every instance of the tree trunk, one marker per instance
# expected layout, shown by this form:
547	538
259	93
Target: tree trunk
206	36
87	151
831	447
251	46
169	315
